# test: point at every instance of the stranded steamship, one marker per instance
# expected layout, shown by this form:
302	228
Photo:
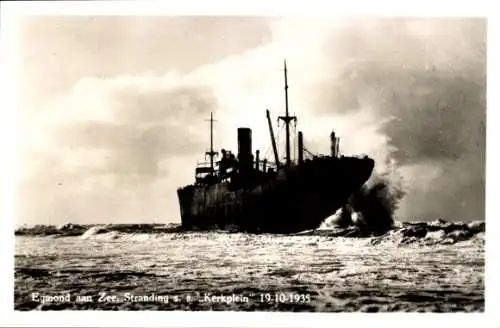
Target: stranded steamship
256	195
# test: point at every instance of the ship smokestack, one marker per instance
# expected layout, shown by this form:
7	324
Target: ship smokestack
301	148
245	148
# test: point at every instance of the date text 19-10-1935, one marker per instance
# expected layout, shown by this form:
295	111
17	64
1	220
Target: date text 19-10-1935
285	298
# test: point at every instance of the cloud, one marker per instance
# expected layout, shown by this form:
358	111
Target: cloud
406	91
409	91
133	124
430	78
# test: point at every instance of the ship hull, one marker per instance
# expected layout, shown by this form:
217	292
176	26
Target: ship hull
296	199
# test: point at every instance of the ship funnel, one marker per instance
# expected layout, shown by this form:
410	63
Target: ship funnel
301	148
245	148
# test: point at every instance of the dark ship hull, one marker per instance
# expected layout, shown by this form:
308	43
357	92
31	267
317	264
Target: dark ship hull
291	200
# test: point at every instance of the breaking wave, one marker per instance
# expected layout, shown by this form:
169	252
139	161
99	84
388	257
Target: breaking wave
88	230
437	232
371	208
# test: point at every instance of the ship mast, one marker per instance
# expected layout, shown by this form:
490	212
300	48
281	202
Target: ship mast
287	119
211	153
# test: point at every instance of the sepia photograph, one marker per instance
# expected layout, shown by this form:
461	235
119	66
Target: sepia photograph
251	163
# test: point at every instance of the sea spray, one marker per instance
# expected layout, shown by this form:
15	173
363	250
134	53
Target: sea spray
371	208
374	205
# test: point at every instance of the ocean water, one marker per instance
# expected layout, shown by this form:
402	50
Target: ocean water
436	267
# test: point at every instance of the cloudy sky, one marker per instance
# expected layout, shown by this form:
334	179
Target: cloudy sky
114	108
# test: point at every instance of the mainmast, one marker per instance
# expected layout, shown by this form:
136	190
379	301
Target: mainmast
211	153
287	119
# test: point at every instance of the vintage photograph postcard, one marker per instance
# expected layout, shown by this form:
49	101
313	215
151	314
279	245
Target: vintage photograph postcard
246	163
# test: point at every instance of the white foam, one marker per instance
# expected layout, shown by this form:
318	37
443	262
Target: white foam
92	231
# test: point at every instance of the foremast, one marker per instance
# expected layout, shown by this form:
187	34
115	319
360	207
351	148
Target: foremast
211	152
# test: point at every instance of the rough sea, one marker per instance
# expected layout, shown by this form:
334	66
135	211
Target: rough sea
424	267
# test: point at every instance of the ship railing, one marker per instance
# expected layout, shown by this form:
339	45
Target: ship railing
361	156
204	165
203	169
